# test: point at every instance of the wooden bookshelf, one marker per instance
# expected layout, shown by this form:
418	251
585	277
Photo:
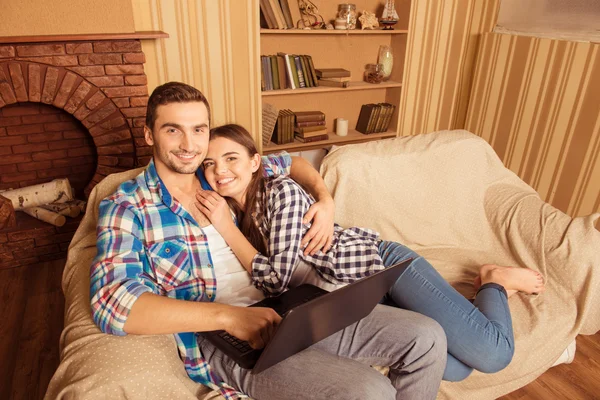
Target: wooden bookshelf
348	49
352	137
357	85
333	32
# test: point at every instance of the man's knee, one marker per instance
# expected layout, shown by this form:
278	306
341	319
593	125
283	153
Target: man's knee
429	341
431	336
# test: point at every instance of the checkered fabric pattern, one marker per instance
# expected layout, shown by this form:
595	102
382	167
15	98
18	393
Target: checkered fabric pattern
279	211
147	242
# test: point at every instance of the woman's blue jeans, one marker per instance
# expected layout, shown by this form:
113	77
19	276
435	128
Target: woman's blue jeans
480	334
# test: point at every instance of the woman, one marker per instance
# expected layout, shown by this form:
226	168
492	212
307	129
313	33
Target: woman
269	214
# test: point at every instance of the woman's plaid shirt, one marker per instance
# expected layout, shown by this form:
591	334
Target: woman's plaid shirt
279	212
147	242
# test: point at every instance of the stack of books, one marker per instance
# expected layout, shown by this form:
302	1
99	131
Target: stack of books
336	77
284	129
374	118
310	126
287	71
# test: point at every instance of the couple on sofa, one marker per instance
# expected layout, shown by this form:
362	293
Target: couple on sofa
172	260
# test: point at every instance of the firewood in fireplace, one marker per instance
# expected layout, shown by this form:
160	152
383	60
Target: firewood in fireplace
7	213
66	209
57	191
79	203
46	215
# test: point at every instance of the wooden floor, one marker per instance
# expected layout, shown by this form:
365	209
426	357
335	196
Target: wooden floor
31	315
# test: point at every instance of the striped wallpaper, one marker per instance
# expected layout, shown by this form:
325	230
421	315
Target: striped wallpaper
213	46
442	43
537	102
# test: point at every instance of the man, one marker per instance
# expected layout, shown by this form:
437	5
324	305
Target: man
153	274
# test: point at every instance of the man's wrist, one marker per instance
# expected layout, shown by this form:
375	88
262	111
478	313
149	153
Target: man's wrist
223	317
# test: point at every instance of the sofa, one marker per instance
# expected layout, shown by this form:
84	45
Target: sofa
444	194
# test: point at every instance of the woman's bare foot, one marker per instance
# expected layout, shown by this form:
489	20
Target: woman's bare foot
513	279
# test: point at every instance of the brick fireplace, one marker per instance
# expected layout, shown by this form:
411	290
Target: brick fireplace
70	106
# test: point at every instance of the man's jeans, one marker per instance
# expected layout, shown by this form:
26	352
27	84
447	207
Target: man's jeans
479	334
338	367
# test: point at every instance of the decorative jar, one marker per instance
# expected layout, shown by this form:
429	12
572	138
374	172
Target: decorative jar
373	73
347	12
386	59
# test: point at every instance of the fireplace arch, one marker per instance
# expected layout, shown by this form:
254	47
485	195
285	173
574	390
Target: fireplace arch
102	108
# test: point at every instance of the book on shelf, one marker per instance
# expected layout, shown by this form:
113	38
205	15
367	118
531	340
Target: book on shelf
266	63
287	13
299	70
306	71
383	124
284	130
274	72
263	20
267	14
362	123
324	82
375	118
332	72
310	123
270	114
263	86
288	69
283	81
311	67
304	116
280	19
290	124
389	117
336	79
310	130
381	118
294	71
312	138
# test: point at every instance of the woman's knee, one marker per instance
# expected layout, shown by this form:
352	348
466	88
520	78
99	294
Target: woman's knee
496	361
456	370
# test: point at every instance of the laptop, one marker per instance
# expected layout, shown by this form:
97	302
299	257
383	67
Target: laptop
309	314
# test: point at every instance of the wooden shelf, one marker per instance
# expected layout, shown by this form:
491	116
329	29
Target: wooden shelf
353	137
85	37
334	32
357	85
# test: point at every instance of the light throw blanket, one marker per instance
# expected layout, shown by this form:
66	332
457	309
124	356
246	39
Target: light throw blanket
447	196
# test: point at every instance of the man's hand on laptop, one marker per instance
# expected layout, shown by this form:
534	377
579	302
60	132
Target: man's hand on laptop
256	325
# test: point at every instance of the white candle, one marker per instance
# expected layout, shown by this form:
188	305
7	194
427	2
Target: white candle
341	127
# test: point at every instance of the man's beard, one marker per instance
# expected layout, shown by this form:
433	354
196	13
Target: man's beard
180	168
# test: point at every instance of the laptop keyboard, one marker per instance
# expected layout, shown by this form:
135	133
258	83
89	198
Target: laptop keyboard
242	346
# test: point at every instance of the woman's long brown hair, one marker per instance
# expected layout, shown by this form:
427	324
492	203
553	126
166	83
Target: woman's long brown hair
246	223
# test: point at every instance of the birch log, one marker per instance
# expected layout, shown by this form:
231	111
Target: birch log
57	191
46	215
66	209
79	203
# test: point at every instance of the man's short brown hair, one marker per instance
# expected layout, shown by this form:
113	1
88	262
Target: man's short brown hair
172	92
